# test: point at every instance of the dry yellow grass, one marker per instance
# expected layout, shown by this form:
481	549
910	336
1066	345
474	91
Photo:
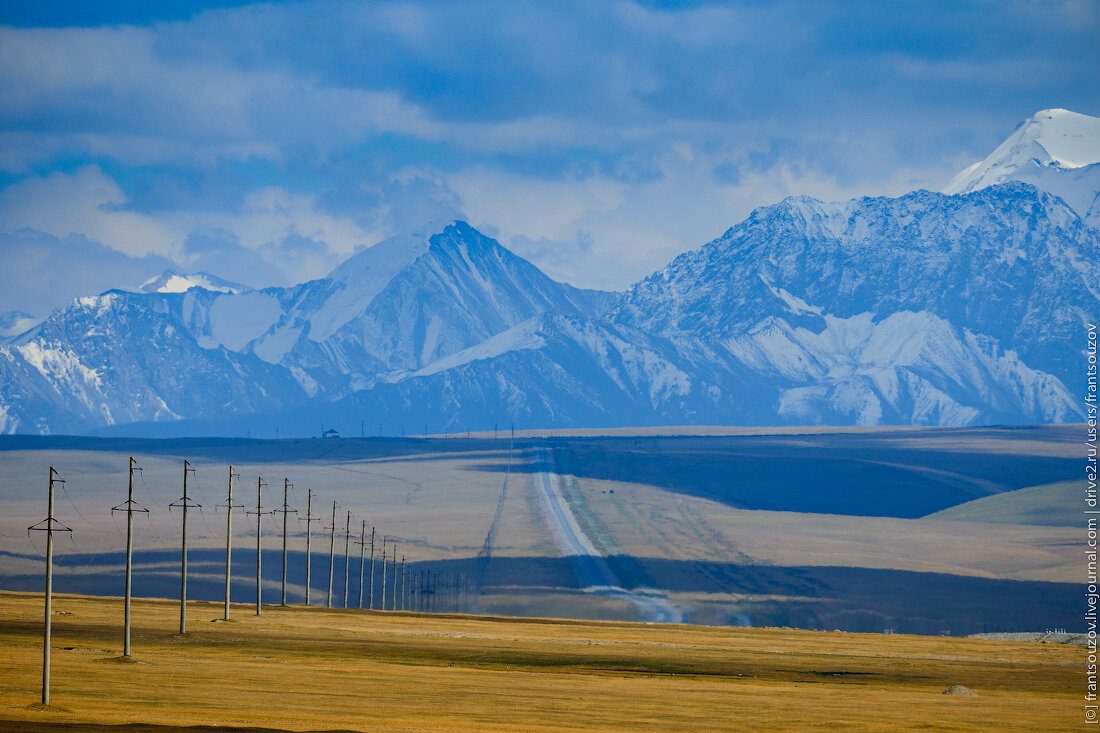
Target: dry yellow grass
435	506
315	669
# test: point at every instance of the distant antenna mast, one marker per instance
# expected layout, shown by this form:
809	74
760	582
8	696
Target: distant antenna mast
285	511
229	505
260	483
184	503
51	526
130	507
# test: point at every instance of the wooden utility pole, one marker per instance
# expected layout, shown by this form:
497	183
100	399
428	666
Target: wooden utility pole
184	503
129	506
285	511
383	572
347	541
331	555
229	505
260	483
309	519
51	525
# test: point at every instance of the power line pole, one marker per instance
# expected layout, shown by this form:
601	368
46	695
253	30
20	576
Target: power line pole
347	541
404	600
331	551
362	542
129	504
370	598
393	603
260	483
309	519
184	503
383	572
229	505
52	525
285	511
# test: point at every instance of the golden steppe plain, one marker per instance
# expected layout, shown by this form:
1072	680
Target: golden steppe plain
299	668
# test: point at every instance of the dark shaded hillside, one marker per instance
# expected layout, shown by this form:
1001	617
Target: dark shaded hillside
845	598
863	474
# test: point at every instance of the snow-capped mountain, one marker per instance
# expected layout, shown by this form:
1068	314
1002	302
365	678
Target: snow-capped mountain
1055	150
408	301
171	281
392	308
924	309
127	357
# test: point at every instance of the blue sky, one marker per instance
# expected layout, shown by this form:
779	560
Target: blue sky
265	143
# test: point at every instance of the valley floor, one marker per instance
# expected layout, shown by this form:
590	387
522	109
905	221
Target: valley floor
299	668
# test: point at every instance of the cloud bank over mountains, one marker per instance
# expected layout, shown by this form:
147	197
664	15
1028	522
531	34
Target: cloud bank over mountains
267	143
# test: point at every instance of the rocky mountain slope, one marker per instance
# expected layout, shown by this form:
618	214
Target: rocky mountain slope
928	308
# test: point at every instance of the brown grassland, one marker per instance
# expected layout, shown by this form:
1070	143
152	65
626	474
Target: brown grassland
301	668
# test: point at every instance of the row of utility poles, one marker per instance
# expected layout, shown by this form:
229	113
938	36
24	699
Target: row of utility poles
411	589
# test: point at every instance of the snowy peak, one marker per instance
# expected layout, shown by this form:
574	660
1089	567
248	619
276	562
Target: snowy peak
372	268
332	302
1052	138
170	281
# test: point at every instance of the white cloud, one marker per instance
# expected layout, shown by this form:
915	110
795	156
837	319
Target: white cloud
530	205
599	231
599	138
87	202
90	203
137	105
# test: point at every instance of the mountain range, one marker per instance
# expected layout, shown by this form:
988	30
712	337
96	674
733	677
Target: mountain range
958	308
